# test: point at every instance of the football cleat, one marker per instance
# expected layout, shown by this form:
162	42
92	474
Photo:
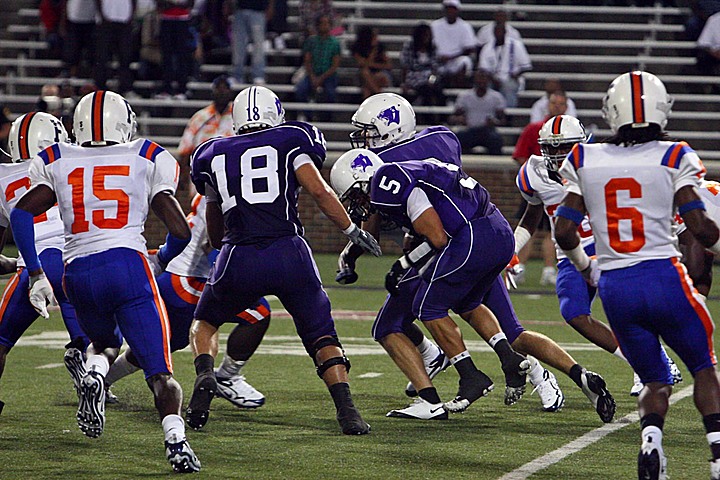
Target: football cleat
469	391
438	364
675	371
637	386
199	407
515	378
74	360
91	410
351	422
238	392
549	276
181	457
422	410
551	397
715	469
652	464
110	397
594	388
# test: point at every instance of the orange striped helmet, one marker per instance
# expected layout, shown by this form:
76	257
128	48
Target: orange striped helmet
637	99
103	118
33	132
557	137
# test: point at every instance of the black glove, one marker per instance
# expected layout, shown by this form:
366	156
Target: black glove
393	277
346	269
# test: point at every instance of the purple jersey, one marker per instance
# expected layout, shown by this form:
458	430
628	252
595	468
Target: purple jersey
457	198
434	142
254	179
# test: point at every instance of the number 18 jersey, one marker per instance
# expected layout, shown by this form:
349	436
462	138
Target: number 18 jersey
253	176
104	193
629	194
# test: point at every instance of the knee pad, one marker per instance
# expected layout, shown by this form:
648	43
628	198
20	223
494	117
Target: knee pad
330	362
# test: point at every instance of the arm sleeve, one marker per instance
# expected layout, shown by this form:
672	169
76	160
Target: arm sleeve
571	177
417	203
199	167
166	174
691	170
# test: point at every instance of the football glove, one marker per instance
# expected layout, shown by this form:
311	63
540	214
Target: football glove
41	294
360	237
513	270
592	273
155	264
419	258
346	267
393	277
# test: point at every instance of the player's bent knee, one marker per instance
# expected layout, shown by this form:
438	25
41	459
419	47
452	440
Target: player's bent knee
323	367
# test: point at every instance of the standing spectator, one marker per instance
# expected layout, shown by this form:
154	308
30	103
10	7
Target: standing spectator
455	42
80	31
421	83
177	44
52	14
708	60
278	25
374	64
321	58
487	32
540	109
114	33
480	109
311	11
5	124
506	59
249	22
701	11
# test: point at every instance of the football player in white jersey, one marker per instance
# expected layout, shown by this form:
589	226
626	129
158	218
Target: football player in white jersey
29	134
180	285
631	186
542	187
104	188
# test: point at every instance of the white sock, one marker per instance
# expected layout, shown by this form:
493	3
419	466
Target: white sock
496	338
460	356
713	438
97	363
121	368
653	434
229	367
535	375
174	428
428	350
619	354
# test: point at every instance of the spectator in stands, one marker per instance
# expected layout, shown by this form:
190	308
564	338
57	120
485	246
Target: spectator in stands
177	43
250	20
113	37
487	32
421	84
311	11
278	25
527	145
708	60
540	111
701	11
455	43
5	124
480	109
52	14
79	36
321	59
215	120
506	59
373	62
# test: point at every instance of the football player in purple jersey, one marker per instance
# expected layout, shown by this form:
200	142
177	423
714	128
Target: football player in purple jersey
251	181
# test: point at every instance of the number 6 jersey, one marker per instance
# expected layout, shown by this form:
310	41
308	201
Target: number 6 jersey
104	193
629	194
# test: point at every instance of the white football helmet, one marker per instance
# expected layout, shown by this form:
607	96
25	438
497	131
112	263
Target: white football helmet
350	177
383	119
103	118
32	133
637	99
557	137
257	107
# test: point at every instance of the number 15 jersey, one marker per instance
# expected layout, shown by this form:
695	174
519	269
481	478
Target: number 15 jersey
629	194
253	177
104	193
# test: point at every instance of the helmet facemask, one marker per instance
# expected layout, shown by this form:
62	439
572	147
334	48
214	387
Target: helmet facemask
357	201
367	136
553	155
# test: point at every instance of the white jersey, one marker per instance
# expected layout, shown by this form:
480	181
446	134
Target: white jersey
193	261
14	182
538	188
709	193
104	193
629	194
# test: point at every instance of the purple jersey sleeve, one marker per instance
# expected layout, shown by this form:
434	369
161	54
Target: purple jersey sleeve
201	166
312	143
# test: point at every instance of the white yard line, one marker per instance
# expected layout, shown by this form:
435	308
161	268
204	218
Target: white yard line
583	441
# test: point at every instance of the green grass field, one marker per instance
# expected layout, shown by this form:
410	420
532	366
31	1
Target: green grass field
295	434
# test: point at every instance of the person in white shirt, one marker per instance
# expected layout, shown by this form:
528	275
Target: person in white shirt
506	59
455	43
480	109
487	32
80	27
708	60
540	109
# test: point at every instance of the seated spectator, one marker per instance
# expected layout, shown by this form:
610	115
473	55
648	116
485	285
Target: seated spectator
374	64
480	109
311	11
539	110
454	40
708	60
487	32
80	30
421	83
701	11
506	59
321	58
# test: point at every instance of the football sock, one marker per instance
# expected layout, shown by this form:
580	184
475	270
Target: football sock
340	393
428	350
503	350
652	425
97	363
464	365
229	367
174	428
496	338
712	427
119	369
535	375
204	364
429	395
619	354
576	373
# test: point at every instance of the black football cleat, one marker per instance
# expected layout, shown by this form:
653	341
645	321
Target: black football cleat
199	407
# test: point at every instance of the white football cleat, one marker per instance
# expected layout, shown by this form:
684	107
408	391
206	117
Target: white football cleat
181	456
438	364
238	392
675	371
74	361
551	397
91	410
714	469
549	276
637	386
652	464
422	410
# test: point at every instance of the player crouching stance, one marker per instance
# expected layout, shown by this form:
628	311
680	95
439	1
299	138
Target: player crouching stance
104	188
